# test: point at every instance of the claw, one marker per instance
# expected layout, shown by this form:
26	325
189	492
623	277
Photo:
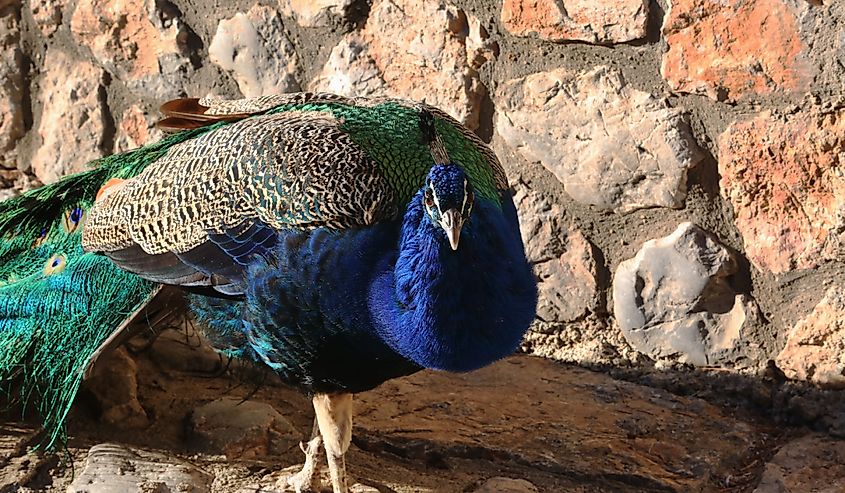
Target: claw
305	479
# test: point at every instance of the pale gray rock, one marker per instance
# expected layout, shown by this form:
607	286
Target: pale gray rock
350	70
185	351
113	468
47	15
242	429
813	463
815	346
563	259
135	129
11	89
611	146
114	382
564	263
71	128
415	49
480	47
143	43
506	485
673	300
315	13
253	47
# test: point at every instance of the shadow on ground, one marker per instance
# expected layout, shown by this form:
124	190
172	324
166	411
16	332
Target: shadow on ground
560	427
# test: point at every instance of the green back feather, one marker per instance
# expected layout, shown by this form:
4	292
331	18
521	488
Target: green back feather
53	319
401	152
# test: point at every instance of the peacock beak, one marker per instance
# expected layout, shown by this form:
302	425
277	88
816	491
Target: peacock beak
451	221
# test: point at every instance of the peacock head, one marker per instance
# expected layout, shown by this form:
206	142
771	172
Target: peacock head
448	200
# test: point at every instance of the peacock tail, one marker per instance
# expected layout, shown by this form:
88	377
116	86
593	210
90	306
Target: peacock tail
58	303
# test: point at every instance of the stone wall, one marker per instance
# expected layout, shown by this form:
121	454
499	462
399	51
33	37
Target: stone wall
679	165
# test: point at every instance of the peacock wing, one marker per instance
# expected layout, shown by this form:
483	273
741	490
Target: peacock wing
207	206
400	116
60	306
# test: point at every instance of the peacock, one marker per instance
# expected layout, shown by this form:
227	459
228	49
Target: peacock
340	241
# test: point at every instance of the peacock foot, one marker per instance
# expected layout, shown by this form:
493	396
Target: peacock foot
332	431
307	478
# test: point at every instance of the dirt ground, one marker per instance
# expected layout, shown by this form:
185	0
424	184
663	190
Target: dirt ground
561	428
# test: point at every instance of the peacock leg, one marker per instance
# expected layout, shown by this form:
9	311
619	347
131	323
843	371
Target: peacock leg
334	417
304	480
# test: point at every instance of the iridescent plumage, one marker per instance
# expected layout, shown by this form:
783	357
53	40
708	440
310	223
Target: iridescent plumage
349	241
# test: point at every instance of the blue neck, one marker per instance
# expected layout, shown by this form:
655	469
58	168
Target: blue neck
456	310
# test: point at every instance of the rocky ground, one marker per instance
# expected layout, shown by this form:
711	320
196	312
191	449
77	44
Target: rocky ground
166	414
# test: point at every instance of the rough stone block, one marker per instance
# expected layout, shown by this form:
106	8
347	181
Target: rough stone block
611	146
815	347
114	382
72	125
113	468
728	49
506	485
242	429
672	300
47	15
255	49
141	42
593	21
11	89
315	13
563	259
783	176
413	49
811	463
135	129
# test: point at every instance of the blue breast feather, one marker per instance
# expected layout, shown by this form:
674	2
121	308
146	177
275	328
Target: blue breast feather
457	310
345	311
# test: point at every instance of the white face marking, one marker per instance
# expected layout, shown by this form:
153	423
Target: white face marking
434	196
463	206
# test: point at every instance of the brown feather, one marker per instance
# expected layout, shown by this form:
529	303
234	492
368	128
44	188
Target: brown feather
188	108
172	125
188	114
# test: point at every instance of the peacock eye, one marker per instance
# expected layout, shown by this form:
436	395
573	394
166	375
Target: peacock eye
429	199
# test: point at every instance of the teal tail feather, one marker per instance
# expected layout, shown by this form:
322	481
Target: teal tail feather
58	303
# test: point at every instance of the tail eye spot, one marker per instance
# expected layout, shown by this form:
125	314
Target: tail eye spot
55	265
73	219
41	238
